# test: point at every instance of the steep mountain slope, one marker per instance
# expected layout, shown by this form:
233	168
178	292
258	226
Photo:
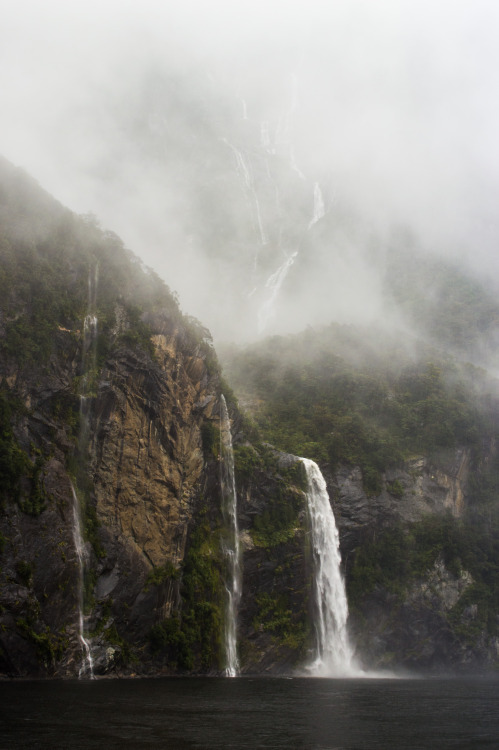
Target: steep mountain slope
114	542
105	388
111	511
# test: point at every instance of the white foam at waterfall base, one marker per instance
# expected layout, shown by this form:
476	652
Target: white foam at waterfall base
231	548
333	654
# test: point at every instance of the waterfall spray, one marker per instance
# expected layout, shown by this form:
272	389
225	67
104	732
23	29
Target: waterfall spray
333	653
231	548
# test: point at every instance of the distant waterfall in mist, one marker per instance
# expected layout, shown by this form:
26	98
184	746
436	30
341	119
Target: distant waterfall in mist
273	284
87	662
89	353
265	137
319	208
244	171
90	324
231	548
333	652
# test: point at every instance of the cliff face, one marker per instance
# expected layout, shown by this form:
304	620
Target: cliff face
108	395
138	474
422	613
113	536
145	458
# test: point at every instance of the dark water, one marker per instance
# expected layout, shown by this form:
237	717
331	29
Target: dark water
251	713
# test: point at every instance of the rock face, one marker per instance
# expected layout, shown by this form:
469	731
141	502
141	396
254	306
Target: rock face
146	455
109	406
425	620
409	493
148	468
139	477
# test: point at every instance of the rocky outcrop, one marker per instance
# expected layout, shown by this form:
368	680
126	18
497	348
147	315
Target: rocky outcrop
427	615
274	613
426	629
410	492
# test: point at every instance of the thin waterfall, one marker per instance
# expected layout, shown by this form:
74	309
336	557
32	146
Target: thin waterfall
333	652
88	366
319	208
231	547
261	229
265	137
273	284
89	354
87	662
245	173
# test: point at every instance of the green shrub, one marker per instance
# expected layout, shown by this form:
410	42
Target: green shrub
395	488
161	574
24	570
210	439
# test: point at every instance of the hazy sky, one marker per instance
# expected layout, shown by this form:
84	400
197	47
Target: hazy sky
396	100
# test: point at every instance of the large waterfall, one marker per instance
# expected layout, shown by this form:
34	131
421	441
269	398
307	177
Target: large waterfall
87	663
333	653
231	541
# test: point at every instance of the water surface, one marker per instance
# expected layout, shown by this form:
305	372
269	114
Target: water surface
205	713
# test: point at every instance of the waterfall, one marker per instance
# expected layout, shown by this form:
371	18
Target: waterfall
244	171
231	541
89	332
333	653
244	107
263	235
265	137
294	165
88	366
90	321
319	209
89	354
273	284
87	662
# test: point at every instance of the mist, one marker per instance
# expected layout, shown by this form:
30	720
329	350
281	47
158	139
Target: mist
262	157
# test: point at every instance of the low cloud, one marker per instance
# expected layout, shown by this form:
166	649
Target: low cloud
137	113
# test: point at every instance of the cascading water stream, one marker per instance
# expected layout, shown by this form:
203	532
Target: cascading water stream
244	171
87	662
88	365
319	208
231	547
273	284
333	653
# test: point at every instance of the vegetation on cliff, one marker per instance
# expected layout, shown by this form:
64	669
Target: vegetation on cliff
339	398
